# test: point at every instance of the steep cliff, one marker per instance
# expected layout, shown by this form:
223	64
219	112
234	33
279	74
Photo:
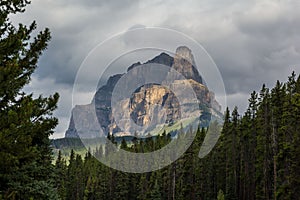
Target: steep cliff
150	104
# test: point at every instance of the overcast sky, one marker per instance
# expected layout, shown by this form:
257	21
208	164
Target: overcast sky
251	41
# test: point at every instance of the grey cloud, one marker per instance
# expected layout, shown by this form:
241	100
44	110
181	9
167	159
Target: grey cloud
113	4
252	42
250	45
257	50
77	27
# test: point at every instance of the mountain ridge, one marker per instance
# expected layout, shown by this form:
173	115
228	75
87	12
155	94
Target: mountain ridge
95	119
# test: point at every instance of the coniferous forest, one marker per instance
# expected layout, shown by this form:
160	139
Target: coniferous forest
256	157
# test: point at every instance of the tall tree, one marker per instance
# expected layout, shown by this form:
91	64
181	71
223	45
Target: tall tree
60	171
26	122
295	150
277	102
256	157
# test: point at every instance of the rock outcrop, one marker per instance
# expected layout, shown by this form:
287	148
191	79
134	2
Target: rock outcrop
184	63
149	105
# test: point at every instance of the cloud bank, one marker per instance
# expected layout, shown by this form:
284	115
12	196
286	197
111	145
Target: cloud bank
252	42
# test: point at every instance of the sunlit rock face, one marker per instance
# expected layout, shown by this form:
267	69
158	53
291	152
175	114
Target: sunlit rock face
148	105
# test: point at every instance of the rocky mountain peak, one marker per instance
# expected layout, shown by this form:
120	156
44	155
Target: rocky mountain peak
184	52
184	63
89	120
163	59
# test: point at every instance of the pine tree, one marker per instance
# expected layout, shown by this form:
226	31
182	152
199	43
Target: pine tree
264	172
253	104
256	157
245	156
71	174
199	164
187	172
60	172
155	192
26	122
290	126
232	157
278	137
230	130
295	167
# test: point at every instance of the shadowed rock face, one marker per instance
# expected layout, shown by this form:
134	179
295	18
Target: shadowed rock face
149	104
184	63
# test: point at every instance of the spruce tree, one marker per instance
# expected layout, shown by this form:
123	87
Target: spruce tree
60	172
26	122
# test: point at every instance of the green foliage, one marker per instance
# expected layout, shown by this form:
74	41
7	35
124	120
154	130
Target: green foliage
26	122
220	195
256	157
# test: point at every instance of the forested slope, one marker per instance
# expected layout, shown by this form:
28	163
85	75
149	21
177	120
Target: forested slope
257	157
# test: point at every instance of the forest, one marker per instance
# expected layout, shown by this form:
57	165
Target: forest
256	157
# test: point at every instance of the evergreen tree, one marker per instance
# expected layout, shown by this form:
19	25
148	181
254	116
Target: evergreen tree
263	149
60	171
253	104
231	145
26	122
155	192
277	102
291	127
256	157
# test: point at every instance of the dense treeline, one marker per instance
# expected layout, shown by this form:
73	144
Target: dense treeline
257	157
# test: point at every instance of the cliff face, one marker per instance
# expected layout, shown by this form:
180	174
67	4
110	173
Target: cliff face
83	122
184	63
149	105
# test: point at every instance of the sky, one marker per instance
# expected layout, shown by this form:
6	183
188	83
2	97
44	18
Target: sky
252	42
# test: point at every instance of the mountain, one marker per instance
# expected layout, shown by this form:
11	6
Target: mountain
96	119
